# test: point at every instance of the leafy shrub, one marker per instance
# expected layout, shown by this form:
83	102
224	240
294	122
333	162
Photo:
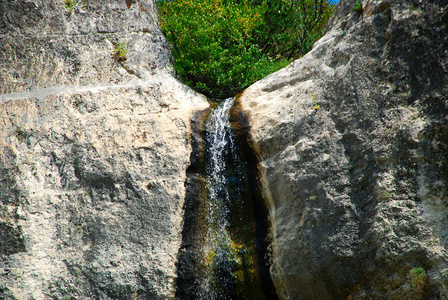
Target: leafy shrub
418	278
290	28
358	7
221	46
385	195
120	52
69	4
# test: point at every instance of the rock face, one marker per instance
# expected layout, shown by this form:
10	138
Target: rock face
352	141
353	147
93	152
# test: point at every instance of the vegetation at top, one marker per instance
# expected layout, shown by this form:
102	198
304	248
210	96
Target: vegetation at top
222	46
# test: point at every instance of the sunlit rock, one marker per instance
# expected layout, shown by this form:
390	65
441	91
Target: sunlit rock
353	147
93	152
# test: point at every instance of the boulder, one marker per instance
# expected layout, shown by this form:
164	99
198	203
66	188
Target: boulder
94	147
352	141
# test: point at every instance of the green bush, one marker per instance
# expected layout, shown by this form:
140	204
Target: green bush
418	278
290	28
70	4
358	7
221	46
120	52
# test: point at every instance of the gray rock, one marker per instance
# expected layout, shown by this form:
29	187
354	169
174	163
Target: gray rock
353	147
46	44
352	141
93	152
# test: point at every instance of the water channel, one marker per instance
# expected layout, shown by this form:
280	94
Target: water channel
224	249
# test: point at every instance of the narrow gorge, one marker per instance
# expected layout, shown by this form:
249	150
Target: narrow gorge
112	171
225	238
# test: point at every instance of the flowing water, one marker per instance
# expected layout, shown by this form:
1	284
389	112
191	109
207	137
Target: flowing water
220	257
218	246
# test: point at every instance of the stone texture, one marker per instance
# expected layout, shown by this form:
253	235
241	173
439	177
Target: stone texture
353	147
45	44
93	152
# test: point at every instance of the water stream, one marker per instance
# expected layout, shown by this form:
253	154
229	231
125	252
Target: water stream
222	256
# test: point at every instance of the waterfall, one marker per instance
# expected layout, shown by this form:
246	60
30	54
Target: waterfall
220	256
216	261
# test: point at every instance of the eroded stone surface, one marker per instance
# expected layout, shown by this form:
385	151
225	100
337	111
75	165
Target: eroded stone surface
46	44
93	152
353	143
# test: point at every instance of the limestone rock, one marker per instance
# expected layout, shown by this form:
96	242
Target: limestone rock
353	147
44	43
93	152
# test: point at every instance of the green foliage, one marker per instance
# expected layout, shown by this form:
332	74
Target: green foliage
120	52
290	28
69	4
316	106
20	134
358	7
79	229
385	195
418	278
222	46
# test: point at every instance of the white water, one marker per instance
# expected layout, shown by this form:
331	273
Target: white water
216	251
222	254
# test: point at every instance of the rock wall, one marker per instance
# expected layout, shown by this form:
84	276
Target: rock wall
352	141
353	147
93	152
